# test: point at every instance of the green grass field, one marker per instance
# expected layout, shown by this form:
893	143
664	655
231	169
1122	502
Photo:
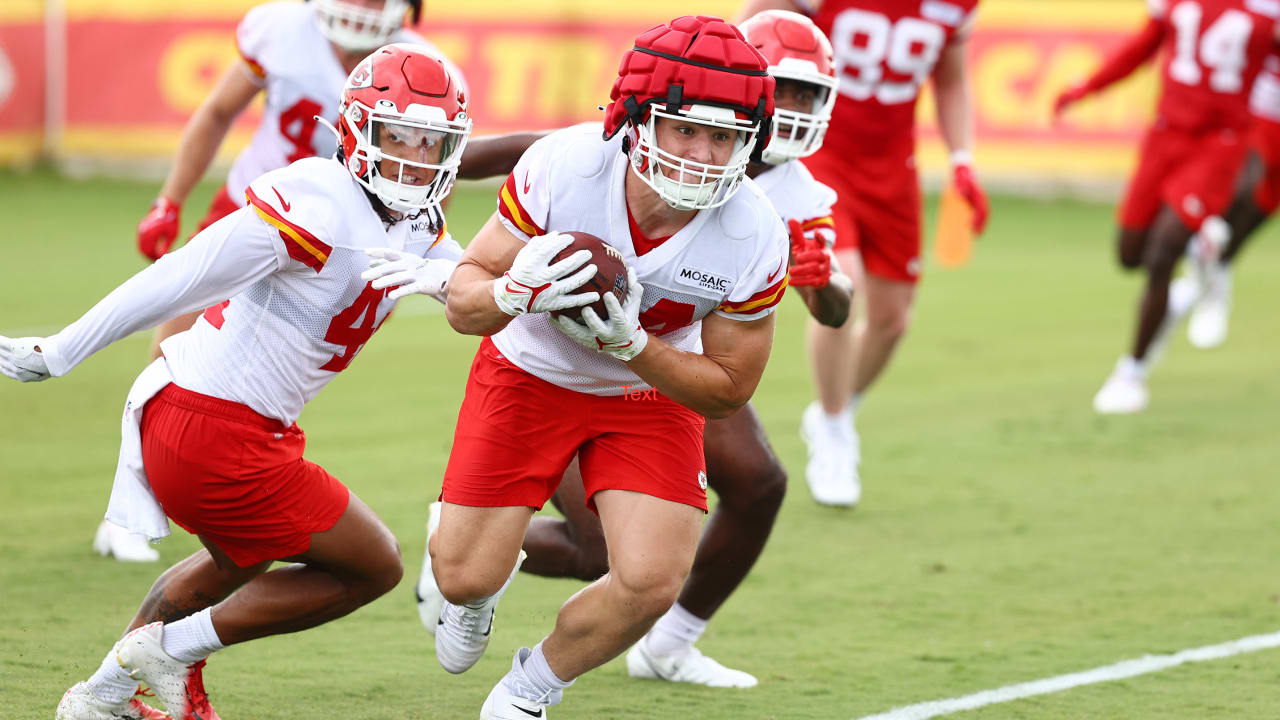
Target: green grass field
1006	532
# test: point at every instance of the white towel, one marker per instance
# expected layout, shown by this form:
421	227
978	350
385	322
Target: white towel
133	505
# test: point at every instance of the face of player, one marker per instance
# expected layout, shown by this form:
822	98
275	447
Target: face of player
695	143
413	144
796	97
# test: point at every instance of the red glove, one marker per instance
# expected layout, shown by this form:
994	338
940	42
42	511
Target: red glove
969	189
159	228
810	263
1068	97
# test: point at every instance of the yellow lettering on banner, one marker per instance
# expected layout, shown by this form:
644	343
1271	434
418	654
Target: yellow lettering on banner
192	64
455	46
1000	84
538	78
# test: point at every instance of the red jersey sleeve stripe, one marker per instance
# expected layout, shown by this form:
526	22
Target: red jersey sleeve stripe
827	221
254	65
762	300
300	244
510	208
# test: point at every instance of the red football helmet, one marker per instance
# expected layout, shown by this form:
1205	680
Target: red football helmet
357	26
405	93
798	51
697	69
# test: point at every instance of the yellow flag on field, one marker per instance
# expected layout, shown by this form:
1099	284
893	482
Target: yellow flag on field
953	242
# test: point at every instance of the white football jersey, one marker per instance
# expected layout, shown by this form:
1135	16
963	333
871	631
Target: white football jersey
797	196
279	341
282	44
1264	101
730	260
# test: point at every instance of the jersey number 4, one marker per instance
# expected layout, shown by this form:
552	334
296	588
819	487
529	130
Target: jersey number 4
353	327
1221	48
866	43
297	125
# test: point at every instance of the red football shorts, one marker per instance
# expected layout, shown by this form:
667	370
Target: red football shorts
238	479
221	206
517	433
1264	139
877	212
1192	173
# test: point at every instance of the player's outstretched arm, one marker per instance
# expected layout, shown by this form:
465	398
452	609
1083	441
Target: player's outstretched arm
200	141
500	277
720	380
1129	57
495	155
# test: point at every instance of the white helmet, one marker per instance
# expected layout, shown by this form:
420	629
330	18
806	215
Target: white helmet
353	26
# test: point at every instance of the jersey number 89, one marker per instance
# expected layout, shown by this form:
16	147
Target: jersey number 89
867	43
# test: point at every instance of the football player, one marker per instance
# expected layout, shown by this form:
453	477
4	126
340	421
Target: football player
741	466
627	392
884	51
1190	156
210	439
300	54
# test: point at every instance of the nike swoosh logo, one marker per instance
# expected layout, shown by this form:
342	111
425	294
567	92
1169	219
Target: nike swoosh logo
769	280
530	713
526	182
283	204
516	290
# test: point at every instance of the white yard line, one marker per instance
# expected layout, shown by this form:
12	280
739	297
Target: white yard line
1106	673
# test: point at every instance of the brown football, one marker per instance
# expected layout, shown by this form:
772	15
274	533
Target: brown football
610	277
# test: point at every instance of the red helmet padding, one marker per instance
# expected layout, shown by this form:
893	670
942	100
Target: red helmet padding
778	36
706	57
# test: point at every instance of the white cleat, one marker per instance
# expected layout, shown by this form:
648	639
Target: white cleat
111	540
426	592
834	452
1211	316
690	666
514	697
179	686
463	631
1124	392
79	703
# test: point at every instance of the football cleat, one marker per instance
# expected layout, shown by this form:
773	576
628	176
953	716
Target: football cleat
1211	316
178	685
689	666
79	703
832	470
426	592
463	631
515	697
1124	392
111	540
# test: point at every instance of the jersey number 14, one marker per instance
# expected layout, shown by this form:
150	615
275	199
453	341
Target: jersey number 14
1221	48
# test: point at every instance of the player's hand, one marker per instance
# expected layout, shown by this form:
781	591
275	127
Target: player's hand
1067	98
967	185
620	335
20	360
810	262
535	284
159	228
408	273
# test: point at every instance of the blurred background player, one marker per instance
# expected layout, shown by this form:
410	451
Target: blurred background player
665	189
1257	195
884	52
741	466
210	439
1190	158
300	54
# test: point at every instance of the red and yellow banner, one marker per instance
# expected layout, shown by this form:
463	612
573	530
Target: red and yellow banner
136	69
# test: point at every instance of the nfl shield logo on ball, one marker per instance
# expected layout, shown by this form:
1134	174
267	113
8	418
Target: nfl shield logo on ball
702	479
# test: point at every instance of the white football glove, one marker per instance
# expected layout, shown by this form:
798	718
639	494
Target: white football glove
412	274
20	360
621	335
534	285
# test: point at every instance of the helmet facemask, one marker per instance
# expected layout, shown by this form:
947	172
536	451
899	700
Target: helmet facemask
685	184
799	133
355	27
420	126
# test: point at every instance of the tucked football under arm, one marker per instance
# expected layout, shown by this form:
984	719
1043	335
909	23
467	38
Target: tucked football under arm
723	377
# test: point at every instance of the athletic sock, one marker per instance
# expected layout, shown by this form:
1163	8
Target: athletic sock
542	679
111	683
674	632
855	401
191	638
1133	367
